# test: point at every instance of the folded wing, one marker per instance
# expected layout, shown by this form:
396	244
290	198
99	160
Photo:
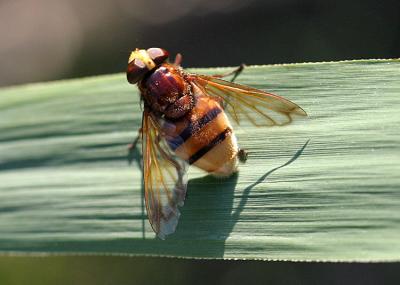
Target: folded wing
164	179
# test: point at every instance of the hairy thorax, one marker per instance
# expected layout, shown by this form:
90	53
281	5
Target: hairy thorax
166	91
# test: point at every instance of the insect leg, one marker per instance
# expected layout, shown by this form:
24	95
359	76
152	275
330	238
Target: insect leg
234	72
242	155
178	59
132	146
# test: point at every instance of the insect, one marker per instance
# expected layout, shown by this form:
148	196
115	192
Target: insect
185	123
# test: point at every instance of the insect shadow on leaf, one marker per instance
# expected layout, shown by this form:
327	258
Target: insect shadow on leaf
209	213
185	123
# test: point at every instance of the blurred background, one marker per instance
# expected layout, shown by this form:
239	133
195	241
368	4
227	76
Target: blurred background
99	270
45	40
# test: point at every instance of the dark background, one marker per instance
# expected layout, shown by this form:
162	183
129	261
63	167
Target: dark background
45	40
101	270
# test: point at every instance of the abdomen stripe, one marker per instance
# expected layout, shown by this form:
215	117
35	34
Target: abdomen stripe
218	139
194	127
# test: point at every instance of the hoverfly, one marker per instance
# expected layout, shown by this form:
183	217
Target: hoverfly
185	123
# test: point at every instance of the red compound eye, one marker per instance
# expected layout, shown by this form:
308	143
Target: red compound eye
158	55
136	71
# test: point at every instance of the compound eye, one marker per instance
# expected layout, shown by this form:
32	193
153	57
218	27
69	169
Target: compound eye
158	55
136	71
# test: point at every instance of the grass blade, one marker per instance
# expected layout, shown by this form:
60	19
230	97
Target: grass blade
324	188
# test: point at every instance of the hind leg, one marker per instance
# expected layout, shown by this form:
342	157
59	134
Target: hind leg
242	155
231	166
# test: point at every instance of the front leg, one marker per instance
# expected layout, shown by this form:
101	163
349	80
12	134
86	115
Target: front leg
132	146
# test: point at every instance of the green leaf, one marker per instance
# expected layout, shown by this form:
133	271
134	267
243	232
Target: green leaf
323	188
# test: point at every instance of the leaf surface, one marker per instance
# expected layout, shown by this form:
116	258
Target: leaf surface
323	188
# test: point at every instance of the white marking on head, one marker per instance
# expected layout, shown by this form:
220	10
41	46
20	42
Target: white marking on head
143	56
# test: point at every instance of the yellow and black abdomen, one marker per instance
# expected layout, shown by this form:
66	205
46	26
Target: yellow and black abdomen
204	138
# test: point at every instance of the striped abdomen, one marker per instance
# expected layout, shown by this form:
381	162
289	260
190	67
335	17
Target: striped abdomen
204	138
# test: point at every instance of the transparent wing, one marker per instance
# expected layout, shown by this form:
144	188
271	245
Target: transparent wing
164	179
259	107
